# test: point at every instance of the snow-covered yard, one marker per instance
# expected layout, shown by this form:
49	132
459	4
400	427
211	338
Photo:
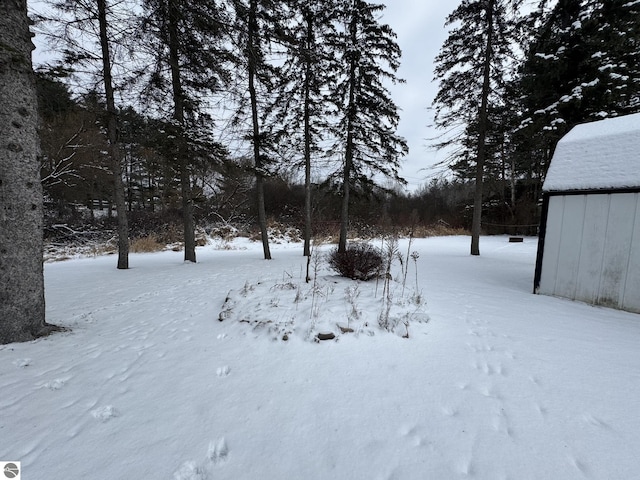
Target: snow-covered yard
149	384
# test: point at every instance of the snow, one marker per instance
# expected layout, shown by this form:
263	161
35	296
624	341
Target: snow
148	383
597	155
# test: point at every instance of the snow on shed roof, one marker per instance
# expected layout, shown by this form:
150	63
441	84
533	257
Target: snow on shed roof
597	155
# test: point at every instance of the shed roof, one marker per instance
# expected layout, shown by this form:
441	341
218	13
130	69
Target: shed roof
600	155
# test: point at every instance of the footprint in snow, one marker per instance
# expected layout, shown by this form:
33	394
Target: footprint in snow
595	422
578	465
223	371
465	467
218	451
189	471
542	410
22	362
104	414
56	384
449	411
216	455
535	380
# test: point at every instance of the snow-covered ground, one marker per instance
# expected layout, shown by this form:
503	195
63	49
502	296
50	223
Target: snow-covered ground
149	384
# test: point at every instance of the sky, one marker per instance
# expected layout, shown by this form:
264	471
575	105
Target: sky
419	25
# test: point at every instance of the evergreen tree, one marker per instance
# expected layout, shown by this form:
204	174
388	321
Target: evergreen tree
258	25
581	65
302	106
366	116
472	68
187	41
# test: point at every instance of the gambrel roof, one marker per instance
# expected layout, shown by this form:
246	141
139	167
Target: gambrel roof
602	155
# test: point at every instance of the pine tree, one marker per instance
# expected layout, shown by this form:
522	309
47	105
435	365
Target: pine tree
367	117
302	106
22	303
257	26
581	65
190	60
472	69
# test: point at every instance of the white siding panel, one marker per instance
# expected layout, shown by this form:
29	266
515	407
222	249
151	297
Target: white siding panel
631	299
617	249
592	251
570	245
551	245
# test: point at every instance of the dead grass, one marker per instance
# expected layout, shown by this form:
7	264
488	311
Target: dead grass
438	230
146	244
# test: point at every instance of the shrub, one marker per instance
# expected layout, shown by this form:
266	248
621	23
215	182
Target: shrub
361	261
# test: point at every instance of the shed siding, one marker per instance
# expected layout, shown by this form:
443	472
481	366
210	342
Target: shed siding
631	300
592	249
570	243
593	240
552	246
617	248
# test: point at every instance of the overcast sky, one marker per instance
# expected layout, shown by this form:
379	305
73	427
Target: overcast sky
420	28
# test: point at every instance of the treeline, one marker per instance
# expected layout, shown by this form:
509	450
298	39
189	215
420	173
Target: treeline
242	112
79	188
173	98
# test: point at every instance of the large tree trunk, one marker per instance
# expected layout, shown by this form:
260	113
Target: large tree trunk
22	307
114	147
476	224
262	216
181	150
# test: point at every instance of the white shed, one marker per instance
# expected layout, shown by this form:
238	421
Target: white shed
589	246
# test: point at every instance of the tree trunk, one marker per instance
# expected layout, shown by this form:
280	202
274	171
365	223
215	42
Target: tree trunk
181	147
114	146
476	224
512	182
22	307
307	141
262	216
348	154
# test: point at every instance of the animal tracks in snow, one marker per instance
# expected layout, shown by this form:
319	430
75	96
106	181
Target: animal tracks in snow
223	371
56	384
22	362
217	455
595	422
450	411
414	435
105	413
492	363
218	451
